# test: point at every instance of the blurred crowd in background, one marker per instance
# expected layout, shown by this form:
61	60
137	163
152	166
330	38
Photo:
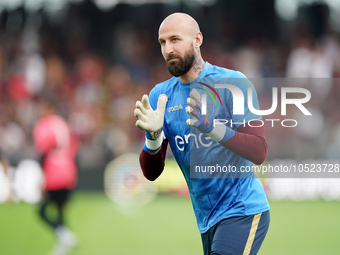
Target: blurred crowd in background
94	64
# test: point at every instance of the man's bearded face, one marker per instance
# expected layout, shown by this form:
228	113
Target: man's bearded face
179	66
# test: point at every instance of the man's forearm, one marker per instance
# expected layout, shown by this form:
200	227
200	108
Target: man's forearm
249	143
152	164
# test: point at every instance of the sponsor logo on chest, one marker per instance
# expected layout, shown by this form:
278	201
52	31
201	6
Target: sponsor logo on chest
175	108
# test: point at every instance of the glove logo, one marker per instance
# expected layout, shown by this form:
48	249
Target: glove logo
206	121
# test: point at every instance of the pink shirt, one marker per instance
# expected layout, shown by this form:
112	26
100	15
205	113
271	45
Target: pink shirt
53	138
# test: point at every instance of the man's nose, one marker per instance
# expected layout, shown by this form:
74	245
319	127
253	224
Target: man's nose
168	49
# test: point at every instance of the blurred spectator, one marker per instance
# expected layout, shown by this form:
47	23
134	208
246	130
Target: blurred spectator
8	179
12	135
249	59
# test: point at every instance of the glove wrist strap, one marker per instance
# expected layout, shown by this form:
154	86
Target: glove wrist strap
153	145
221	133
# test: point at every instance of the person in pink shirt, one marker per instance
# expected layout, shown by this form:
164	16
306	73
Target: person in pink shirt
58	147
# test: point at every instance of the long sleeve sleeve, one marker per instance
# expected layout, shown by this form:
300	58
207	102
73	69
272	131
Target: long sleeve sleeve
249	142
153	165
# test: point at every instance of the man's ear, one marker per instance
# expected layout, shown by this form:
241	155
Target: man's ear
198	40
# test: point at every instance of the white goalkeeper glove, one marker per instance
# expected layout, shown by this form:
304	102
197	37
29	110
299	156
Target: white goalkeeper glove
151	121
205	123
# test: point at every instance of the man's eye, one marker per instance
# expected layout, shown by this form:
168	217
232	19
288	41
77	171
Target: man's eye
162	42
174	39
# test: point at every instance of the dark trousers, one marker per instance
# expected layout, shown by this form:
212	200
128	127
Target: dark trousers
59	198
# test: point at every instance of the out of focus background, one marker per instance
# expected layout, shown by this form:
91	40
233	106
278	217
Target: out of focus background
96	58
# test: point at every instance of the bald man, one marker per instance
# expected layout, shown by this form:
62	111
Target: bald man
180	39
214	147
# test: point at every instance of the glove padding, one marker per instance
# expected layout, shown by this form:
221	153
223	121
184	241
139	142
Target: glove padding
203	123
148	119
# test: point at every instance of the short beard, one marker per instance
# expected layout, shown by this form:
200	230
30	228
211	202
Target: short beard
183	65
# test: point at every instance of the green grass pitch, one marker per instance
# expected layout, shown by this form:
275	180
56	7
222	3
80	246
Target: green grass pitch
166	226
